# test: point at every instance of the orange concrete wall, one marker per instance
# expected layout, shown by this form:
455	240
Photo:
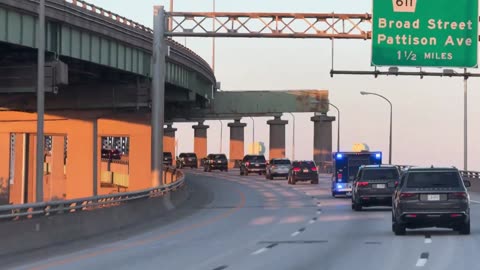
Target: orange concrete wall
200	147
4	164
169	145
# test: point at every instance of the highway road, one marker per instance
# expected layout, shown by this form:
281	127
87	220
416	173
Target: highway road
251	223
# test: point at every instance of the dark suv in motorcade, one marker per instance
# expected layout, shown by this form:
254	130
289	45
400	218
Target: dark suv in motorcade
167	159
187	160
374	186
253	164
303	171
215	162
431	197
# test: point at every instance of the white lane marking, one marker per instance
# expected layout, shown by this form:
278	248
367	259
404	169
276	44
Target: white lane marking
421	262
428	240
319	212
311	221
295	234
259	251
477	202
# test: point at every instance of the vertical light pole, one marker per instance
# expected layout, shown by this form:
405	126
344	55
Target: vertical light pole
158	93
221	134
170	20
40	101
391	118
213	38
293	136
253	134
338	126
465	122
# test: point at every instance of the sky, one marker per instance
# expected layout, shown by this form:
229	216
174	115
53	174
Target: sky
427	113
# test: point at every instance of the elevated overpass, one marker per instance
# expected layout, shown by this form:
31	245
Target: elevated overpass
98	83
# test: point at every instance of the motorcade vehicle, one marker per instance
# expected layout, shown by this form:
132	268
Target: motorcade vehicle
253	164
187	160
345	168
278	167
374	185
303	170
215	162
431	197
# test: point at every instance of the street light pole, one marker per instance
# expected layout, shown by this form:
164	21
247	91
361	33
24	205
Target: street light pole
253	134
40	102
391	118
213	39
338	126
465	122
293	136
221	134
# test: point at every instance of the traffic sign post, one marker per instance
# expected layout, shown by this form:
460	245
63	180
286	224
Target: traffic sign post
425	33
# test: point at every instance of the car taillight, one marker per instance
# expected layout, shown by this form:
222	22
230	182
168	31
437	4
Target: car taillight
406	195
296	169
396	183
247	163
458	195
339	176
314	169
362	184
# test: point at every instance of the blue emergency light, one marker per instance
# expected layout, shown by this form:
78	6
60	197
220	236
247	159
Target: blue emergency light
339	156
378	155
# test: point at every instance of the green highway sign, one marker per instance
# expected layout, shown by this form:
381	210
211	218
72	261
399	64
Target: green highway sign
425	33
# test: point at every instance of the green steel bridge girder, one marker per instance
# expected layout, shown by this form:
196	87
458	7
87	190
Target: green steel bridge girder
237	104
63	40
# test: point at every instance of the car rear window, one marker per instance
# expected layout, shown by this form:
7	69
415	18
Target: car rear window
219	157
256	158
433	180
379	173
281	162
167	154
190	155
303	163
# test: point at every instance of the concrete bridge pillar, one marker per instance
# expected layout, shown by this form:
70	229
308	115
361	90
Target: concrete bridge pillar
277	137
169	140
322	139
237	141
200	139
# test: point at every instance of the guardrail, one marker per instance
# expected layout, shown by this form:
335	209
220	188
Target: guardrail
31	210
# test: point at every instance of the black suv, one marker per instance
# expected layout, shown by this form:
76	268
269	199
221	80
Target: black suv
303	171
167	159
215	162
187	160
431	197
374	186
253	164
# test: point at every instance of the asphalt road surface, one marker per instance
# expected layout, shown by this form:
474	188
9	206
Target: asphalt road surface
253	223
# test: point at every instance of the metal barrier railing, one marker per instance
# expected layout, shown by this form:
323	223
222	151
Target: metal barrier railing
31	210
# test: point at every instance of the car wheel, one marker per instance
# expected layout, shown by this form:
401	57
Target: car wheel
286	177
293	181
465	228
334	194
398	229
241	172
205	169
357	207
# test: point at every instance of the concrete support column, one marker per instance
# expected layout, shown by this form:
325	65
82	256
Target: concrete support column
237	142
169	140
200	139
322	140
277	137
